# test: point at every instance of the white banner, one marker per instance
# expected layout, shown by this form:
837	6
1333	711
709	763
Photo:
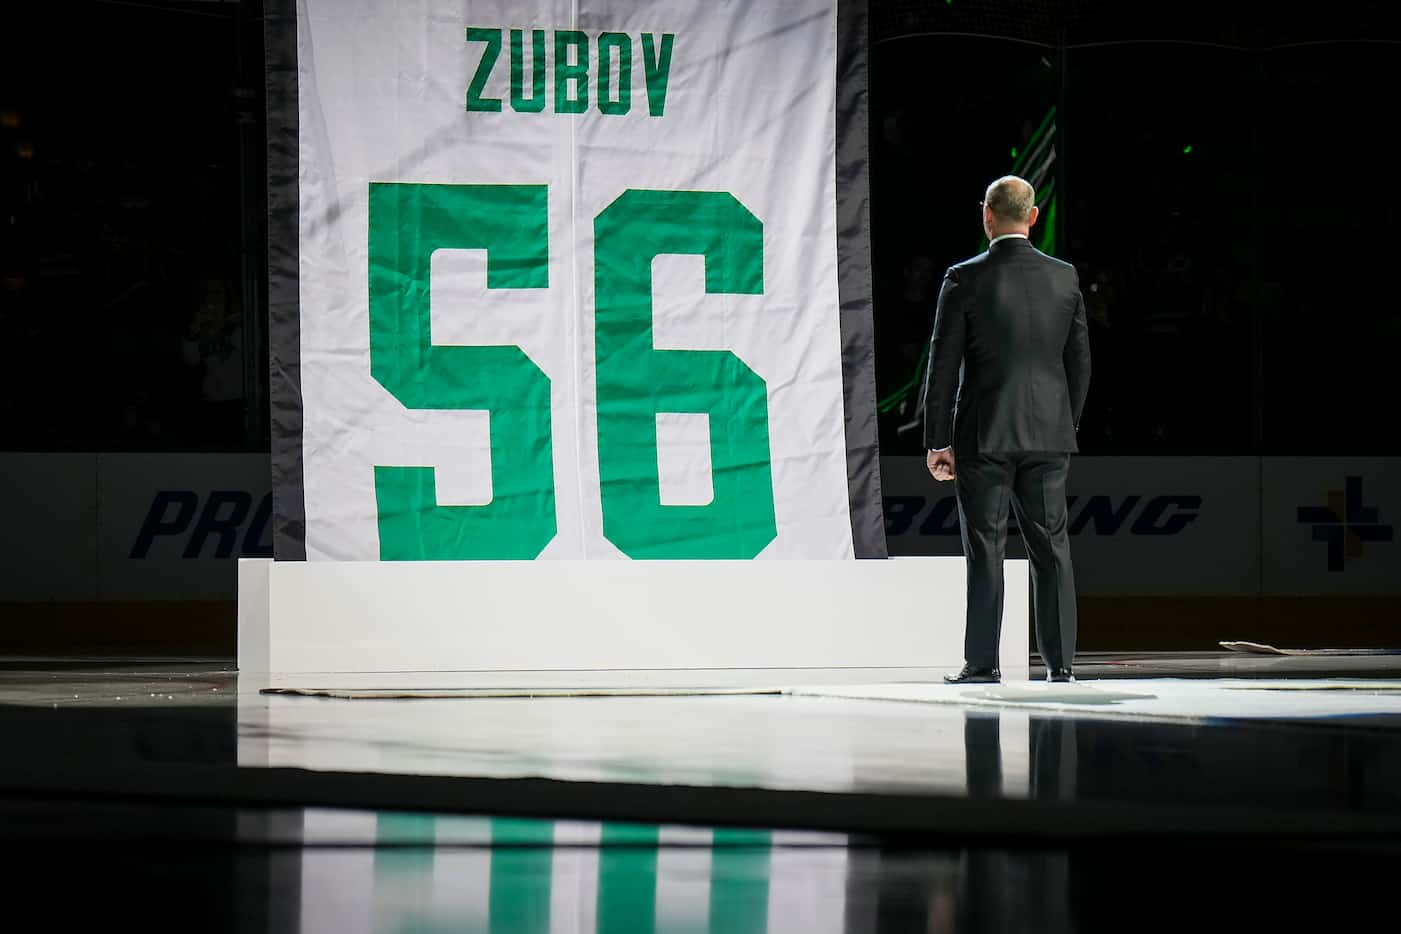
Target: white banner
568	280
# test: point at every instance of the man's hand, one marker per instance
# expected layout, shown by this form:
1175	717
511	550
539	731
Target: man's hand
940	465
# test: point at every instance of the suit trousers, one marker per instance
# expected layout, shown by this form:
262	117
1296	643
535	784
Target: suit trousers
1034	484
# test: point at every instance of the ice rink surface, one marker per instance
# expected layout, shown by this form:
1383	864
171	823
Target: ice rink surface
174	791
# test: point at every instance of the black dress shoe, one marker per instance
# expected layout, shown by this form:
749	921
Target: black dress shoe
1060	675
971	675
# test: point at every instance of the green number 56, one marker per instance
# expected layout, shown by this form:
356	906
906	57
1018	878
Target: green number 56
408	222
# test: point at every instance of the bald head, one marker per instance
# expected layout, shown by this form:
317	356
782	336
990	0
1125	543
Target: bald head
1009	206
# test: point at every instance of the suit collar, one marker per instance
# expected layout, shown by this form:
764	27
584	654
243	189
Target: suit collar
1009	239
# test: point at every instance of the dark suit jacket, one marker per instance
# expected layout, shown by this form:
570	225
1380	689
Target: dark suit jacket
1010	337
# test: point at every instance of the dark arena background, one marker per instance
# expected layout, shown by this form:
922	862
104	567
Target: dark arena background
1221	177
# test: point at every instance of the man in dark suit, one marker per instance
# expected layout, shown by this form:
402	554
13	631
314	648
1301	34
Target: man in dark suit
1010	338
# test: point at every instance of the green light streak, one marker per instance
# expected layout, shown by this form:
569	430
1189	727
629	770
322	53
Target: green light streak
899	395
1035	138
1048	238
1046	245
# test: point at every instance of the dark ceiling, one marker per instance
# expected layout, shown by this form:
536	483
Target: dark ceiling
1243	23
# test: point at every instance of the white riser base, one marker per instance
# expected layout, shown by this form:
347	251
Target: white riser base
646	618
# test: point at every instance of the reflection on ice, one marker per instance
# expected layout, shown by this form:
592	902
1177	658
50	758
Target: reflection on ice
437	873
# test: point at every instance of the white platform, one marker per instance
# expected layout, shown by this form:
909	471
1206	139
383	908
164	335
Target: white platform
646	622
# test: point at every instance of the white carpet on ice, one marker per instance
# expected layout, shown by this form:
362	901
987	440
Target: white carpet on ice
1169	698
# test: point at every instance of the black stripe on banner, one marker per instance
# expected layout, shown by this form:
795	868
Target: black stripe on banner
854	284
284	293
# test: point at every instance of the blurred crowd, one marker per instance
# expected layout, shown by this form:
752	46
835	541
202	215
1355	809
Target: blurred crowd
120	316
1169	328
1218	215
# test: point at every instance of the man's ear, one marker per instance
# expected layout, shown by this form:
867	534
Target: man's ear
1031	218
